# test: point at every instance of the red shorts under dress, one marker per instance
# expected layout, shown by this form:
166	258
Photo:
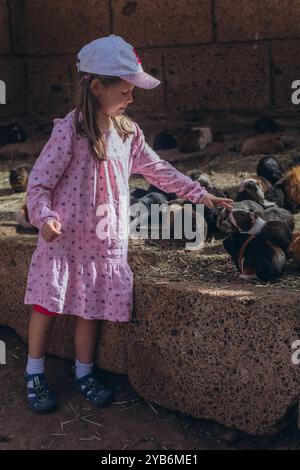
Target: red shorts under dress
43	310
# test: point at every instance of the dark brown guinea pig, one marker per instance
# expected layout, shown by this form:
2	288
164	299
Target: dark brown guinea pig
255	257
278	213
155	189
278	232
18	178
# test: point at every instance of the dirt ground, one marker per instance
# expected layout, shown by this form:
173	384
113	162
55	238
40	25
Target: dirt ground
130	423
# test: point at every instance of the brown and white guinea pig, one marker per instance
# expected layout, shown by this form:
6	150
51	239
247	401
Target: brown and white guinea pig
278	232
291	188
254	189
18	178
218	218
194	139
203	178
255	257
22	219
269	168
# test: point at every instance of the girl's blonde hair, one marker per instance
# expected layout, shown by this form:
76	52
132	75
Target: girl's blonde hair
88	105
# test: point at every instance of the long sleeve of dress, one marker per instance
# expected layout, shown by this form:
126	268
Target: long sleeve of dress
146	162
46	172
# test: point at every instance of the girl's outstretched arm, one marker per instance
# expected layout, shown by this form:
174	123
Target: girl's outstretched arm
145	161
47	170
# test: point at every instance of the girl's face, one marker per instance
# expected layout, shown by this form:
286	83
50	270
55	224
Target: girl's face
114	99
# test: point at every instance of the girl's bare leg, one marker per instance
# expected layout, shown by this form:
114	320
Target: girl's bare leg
40	327
85	339
86	382
39	396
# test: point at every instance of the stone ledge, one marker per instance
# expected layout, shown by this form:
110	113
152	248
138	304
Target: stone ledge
220	354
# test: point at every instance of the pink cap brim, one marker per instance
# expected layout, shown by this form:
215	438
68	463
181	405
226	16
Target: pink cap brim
142	80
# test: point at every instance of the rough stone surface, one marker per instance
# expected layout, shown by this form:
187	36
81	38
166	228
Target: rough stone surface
248	20
217	77
53	27
217	353
286	69
213	56
50	82
11	71
5	41
156	23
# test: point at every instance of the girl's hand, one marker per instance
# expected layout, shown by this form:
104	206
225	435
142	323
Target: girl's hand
51	229
210	201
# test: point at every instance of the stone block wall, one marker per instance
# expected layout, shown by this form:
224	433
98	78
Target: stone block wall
229	55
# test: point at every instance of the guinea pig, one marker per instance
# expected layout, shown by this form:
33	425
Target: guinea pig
163	141
218	218
269	168
202	177
276	194
278	232
153	198
145	211
22	219
155	189
255	257
255	189
291	187
205	181
278	213
194	139
294	247
11	134
18	178
136	194
266	124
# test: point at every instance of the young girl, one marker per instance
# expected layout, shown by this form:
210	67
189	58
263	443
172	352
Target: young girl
85	165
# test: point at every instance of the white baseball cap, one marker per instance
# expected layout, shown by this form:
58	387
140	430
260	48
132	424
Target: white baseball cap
113	56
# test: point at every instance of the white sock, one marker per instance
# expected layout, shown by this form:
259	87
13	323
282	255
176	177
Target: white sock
35	366
83	369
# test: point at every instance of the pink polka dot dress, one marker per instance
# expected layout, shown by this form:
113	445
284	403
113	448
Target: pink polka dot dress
84	272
